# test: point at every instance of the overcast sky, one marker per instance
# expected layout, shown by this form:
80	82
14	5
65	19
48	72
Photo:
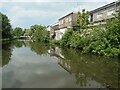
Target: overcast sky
24	13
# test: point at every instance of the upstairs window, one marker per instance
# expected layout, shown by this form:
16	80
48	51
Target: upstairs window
110	11
91	18
66	19
61	21
99	15
70	18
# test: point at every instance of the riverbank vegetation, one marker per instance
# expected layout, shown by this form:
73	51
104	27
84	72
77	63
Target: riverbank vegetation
100	40
40	33
17	32
37	32
6	28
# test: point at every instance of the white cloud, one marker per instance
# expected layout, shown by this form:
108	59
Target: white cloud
57	0
22	12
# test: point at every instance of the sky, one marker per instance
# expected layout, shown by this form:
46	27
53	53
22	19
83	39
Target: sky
25	13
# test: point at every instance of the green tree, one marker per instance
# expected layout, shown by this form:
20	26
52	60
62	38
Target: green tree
28	32
82	20
65	41
17	32
6	26
40	33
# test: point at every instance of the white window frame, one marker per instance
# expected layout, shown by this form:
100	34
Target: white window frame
62	21
99	15
70	18
110	11
66	19
59	22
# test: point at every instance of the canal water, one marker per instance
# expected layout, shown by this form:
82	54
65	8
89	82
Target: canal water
27	64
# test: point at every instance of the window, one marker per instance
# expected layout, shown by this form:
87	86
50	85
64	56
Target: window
99	15
91	18
66	19
61	21
110	11
70	18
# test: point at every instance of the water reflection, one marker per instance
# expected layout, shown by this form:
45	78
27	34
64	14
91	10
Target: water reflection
6	53
50	64
39	48
88	68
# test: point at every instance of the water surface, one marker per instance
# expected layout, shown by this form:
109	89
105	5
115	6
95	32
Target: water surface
27	64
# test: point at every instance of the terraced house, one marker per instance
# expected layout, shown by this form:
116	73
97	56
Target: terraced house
68	21
97	17
101	14
65	22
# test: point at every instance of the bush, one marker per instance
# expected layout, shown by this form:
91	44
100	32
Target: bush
54	41
66	38
75	40
101	40
40	33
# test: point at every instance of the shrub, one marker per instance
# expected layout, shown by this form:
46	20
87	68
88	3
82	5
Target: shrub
101	40
66	38
75	40
53	41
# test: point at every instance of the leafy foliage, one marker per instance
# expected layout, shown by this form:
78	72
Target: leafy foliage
6	26
28	32
40	33
100	40
18	32
66	38
82	20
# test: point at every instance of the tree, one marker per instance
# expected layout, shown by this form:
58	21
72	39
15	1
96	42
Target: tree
40	33
6	26
28	32
82	20
17	32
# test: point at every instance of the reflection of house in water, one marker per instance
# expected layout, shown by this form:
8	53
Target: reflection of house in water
55	51
91	74
72	69
68	65
65	65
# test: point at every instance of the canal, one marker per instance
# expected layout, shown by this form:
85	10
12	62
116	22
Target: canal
27	64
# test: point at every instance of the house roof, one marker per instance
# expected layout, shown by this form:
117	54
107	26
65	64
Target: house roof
55	24
65	15
105	6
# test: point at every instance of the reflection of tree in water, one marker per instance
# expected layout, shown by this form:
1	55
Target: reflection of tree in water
28	44
89	67
17	44
39	48
6	53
